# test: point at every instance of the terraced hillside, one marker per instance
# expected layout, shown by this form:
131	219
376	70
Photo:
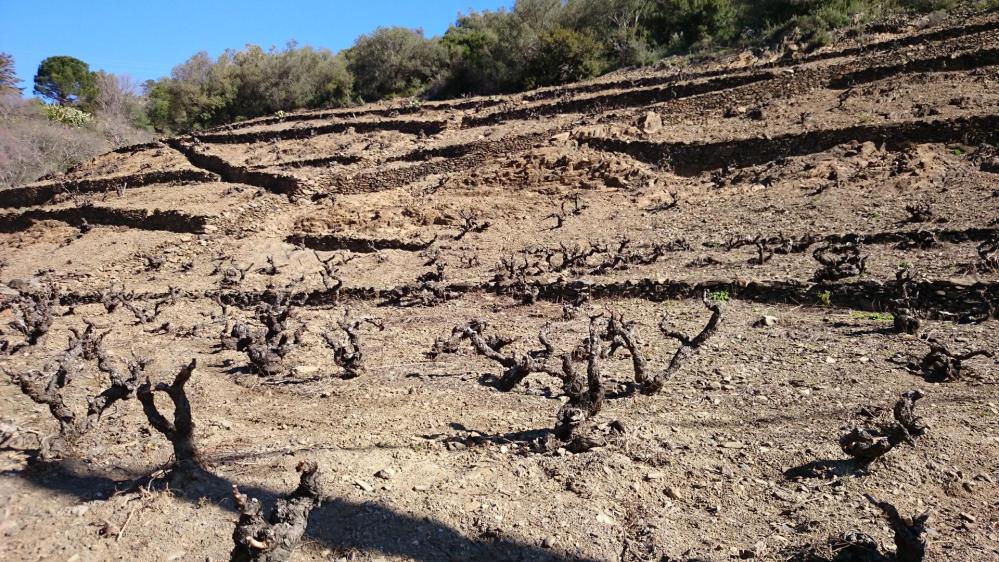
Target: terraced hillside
663	315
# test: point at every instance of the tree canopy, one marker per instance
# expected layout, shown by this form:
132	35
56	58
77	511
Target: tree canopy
64	80
8	78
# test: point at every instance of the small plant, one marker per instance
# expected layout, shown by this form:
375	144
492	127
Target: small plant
719	296
825	298
958	152
874	316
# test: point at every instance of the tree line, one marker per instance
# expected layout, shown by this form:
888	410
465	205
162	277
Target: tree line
534	43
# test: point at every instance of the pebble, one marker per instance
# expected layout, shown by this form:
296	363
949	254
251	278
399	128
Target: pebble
364	485
548	542
673	493
79	510
605	519
385	473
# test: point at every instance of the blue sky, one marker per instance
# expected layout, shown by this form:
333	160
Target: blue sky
146	38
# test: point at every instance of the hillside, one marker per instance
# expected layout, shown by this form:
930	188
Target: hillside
366	288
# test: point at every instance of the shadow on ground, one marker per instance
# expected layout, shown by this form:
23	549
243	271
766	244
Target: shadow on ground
338	524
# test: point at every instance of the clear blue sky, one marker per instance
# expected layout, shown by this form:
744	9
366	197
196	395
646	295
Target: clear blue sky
146	38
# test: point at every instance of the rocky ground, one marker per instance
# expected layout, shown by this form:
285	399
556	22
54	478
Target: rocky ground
365	289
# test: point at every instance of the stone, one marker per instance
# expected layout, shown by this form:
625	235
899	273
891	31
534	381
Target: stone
385	473
364	485
605	519
652	122
765	322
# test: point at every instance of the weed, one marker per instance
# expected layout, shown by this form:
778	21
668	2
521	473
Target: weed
719	296
874	316
825	298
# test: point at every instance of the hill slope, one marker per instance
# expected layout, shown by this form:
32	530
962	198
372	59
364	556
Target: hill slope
633	195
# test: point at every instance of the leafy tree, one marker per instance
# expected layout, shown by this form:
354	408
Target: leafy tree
64	80
488	53
8	79
394	61
565	55
681	24
622	26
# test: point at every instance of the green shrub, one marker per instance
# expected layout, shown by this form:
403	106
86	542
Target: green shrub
394	61
681	24
564	55
69	116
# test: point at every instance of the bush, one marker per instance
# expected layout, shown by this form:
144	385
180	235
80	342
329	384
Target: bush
32	144
682	24
487	53
202	93
69	116
564	55
394	61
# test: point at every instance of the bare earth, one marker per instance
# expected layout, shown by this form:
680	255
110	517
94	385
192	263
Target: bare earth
670	182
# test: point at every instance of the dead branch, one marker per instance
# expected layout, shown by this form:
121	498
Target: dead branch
274	539
688	348
839	261
121	388
232	274
180	432
919	212
350	354
471	223
48	389
905	318
271	268
867	444
32	313
518	367
585	397
267	349
943	365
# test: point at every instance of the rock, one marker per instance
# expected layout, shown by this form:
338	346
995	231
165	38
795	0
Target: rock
561	137
304	370
616	181
654	476
364	485
605	519
765	322
79	510
652	122
673	493
732	445
968	517
548	542
385	473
